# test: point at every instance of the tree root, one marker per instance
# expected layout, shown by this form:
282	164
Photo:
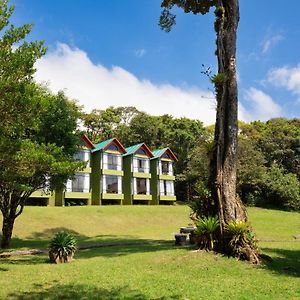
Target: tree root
251	254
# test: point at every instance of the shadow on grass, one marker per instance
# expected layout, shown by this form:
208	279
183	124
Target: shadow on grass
25	260
285	262
42	239
124	247
104	245
48	233
39	239
80	291
137	246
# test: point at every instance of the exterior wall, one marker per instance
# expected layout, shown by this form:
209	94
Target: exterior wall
59	198
154	181
127	163
95	178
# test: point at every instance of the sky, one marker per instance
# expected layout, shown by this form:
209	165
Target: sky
113	53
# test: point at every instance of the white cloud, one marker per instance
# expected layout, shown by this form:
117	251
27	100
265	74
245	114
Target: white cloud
262	106
271	42
140	52
96	86
288	78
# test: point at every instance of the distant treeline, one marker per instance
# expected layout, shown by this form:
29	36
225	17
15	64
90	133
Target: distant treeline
268	152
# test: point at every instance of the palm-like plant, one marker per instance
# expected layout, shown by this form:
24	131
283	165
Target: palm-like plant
205	231
62	247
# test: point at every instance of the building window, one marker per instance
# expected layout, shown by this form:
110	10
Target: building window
141	186
112	184
80	183
141	152
82	155
165	167
166	155
141	165
113	147
112	161
166	187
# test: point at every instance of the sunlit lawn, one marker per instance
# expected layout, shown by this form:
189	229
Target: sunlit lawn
153	268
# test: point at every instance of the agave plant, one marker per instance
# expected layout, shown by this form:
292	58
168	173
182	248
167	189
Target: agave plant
206	229
62	247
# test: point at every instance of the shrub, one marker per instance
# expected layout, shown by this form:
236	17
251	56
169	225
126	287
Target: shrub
205	231
281	189
62	247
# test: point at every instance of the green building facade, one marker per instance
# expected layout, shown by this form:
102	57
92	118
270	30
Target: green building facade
115	175
107	173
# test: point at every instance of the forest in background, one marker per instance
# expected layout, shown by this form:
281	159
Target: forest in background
268	152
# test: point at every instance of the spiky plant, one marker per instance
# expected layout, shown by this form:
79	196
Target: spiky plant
241	240
205	231
62	247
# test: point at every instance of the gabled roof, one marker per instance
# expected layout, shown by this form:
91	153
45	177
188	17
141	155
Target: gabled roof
87	141
133	149
160	152
105	144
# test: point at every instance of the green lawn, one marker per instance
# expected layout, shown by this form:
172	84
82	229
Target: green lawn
153	269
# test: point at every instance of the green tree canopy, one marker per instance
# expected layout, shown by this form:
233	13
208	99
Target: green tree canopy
38	134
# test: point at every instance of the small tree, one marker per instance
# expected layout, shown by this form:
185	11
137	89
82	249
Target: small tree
37	140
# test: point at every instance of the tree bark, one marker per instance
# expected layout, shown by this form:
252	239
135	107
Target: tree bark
11	206
223	165
7	229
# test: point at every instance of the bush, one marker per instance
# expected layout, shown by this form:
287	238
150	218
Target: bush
280	189
62	247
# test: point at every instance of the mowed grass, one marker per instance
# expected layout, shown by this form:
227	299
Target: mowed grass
153	268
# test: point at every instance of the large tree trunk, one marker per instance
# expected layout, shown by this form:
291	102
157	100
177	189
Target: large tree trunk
7	229
223	167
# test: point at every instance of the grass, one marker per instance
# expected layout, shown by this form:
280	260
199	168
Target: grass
154	269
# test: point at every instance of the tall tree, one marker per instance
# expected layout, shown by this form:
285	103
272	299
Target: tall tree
37	129
224	160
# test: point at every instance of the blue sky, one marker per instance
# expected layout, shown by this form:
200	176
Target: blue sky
112	52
